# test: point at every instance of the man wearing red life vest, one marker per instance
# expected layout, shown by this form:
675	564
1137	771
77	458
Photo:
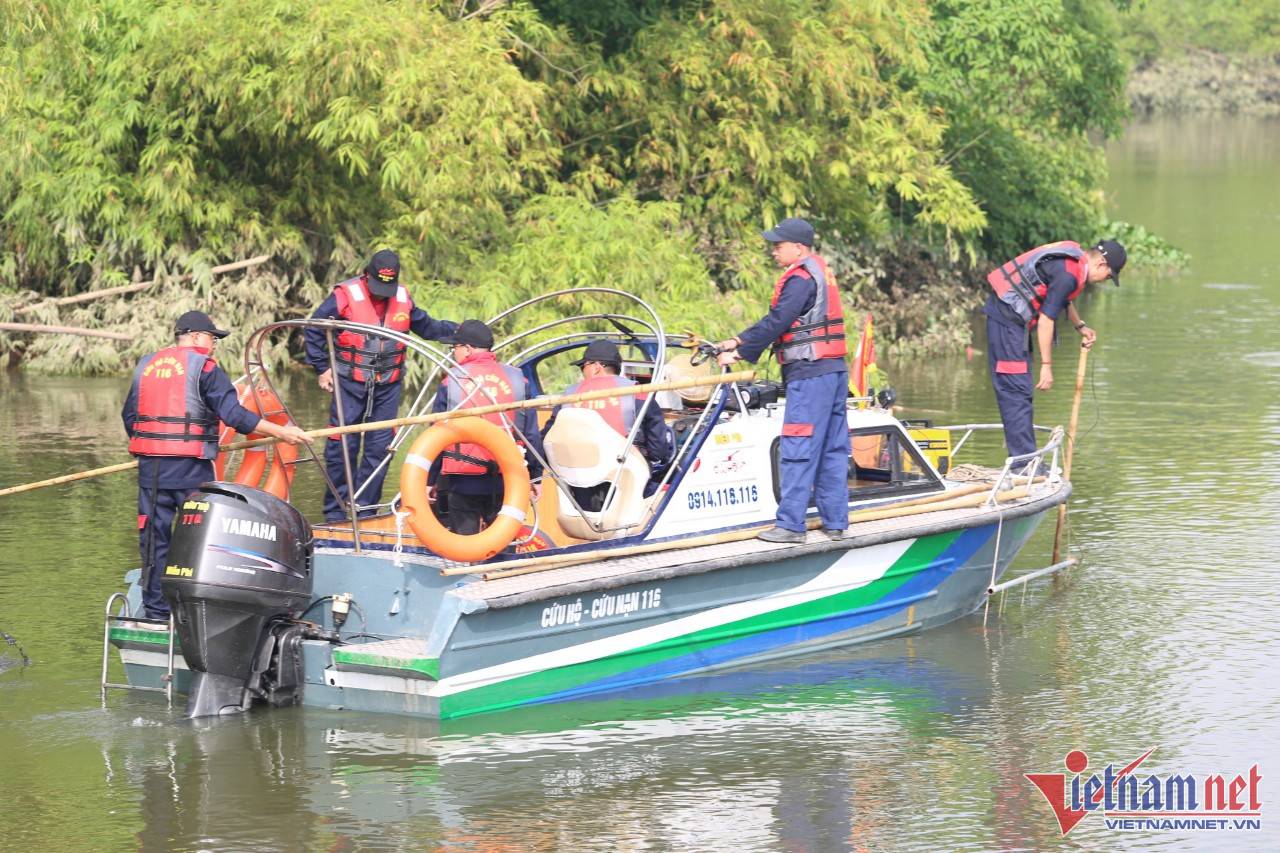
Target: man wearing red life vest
465	477
171	415
1028	294
601	366
805	326
370	370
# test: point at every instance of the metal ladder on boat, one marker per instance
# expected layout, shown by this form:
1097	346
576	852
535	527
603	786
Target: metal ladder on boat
124	615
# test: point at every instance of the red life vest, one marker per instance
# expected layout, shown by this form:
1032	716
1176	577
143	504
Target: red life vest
618	412
367	358
173	419
487	382
819	332
1019	285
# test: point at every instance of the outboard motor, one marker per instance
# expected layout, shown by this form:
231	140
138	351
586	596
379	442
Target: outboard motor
239	575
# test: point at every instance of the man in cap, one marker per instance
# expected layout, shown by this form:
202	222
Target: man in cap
171	415
370	370
1028	295
601	366
805	327
465	477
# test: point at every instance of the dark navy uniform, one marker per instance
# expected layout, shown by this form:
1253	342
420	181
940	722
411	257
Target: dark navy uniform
1009	353
165	481
362	402
814	448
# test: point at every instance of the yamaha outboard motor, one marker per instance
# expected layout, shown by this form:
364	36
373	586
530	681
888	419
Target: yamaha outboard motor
238	575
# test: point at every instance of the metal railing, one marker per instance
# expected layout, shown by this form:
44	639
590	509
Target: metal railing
124	615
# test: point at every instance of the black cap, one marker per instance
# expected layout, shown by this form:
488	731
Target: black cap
790	231
197	321
605	352
383	273
1115	255
473	333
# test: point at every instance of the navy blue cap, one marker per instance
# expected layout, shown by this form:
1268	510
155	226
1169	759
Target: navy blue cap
197	321
383	273
604	352
790	231
1115	256
473	333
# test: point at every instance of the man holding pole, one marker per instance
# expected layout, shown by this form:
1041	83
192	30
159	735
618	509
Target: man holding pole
805	327
368	385
1028	295
171	415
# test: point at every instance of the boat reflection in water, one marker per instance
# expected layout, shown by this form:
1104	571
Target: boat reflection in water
789	757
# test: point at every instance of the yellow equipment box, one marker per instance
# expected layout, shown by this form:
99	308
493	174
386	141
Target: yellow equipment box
934	443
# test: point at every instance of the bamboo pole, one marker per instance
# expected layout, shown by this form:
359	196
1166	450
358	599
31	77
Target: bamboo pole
64	330
534	403
142	285
530	565
1071	446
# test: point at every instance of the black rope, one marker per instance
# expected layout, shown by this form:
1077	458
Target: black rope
12	641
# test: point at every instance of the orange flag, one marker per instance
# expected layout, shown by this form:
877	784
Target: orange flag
864	357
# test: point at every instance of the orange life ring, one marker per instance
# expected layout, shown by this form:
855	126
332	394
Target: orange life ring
515	493
254	461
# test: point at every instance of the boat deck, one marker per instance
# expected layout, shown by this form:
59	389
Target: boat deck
499	589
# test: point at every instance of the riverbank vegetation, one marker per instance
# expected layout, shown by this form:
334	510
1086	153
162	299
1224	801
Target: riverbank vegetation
507	149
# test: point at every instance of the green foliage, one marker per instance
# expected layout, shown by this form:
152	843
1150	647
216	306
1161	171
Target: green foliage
1023	84
1142	247
1165	29
752	110
508	149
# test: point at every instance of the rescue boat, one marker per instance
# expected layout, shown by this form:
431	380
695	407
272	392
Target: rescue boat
661	579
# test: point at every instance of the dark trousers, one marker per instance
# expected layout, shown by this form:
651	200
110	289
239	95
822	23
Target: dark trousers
359	406
814	452
156	508
468	512
1009	362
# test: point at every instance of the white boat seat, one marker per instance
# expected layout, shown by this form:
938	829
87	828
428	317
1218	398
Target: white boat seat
583	451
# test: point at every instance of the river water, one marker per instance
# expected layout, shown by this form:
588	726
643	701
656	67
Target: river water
1164	638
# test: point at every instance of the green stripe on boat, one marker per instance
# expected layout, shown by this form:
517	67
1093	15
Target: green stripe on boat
520	689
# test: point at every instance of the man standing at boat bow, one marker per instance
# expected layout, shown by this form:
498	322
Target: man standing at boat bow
805	327
1028	294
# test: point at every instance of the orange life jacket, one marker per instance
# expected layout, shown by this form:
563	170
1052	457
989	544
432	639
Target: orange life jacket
618	412
819	332
1019	285
365	357
487	382
173	419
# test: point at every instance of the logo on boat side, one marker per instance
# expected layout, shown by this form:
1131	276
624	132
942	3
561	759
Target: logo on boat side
1131	801
245	527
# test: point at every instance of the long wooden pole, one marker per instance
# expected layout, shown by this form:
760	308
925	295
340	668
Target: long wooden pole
1071	446
530	565
535	403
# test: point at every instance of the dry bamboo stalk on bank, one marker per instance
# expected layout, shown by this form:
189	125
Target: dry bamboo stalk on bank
531	564
64	330
535	403
142	285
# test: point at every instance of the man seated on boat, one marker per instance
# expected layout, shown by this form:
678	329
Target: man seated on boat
601	367
465	479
